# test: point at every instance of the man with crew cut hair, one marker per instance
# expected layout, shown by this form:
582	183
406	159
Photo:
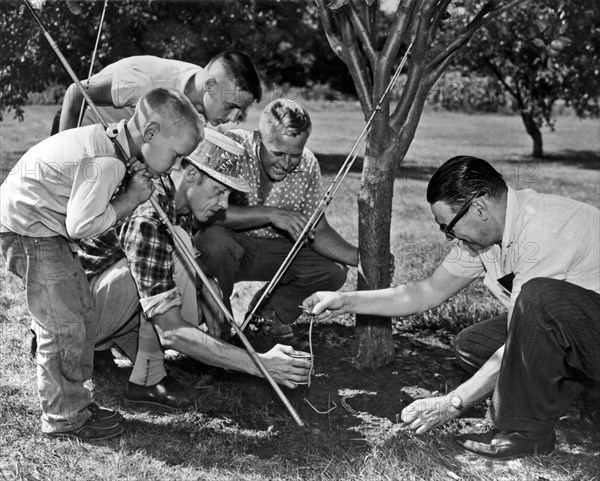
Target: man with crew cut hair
221	92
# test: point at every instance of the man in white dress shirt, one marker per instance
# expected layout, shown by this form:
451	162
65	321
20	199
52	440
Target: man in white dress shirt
540	255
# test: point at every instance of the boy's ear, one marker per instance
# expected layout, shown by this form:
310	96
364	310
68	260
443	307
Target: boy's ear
211	86
151	130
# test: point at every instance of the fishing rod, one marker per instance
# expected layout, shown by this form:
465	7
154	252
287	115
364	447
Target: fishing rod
188	256
100	25
327	197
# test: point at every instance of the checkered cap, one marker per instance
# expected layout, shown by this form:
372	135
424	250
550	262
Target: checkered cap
220	156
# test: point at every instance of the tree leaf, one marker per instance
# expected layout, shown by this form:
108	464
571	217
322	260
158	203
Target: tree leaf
538	42
335	4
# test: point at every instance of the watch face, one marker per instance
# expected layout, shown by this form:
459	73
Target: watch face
456	402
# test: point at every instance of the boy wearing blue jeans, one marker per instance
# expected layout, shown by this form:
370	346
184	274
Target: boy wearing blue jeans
69	187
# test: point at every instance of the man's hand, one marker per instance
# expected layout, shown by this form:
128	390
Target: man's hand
289	221
325	304
211	314
425	414
286	370
139	186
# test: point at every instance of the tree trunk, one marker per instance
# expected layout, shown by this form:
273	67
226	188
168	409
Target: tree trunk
534	132
374	345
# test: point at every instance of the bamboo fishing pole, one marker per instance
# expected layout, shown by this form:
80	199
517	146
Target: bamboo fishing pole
184	251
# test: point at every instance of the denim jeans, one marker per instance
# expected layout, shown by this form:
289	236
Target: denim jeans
60	303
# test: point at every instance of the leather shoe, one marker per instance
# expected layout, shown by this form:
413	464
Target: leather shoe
505	444
95	428
168	394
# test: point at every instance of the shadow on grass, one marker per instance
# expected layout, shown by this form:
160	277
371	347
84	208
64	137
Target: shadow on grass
330	164
581	159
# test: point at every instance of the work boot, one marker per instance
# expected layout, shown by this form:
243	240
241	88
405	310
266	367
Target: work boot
267	321
97	427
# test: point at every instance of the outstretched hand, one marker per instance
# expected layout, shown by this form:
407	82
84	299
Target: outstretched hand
286	370
325	305
425	414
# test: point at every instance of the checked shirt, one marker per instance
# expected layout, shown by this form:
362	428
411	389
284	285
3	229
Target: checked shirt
148	246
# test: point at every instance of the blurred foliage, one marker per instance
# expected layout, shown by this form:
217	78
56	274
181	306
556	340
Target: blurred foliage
284	38
539	52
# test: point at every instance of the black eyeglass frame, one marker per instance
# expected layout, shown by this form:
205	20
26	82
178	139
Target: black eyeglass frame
447	230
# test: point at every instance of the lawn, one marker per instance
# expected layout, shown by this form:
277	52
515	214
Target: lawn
245	433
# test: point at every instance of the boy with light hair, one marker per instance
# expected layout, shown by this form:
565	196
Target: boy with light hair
68	187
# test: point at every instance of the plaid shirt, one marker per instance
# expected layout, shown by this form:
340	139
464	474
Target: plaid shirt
146	243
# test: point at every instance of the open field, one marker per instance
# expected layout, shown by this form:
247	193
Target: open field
245	433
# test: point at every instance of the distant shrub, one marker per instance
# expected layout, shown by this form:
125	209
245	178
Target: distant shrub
468	94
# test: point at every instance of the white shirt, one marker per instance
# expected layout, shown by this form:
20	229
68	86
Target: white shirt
544	236
63	185
132	77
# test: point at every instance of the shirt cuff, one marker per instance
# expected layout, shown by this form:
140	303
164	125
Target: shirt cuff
161	303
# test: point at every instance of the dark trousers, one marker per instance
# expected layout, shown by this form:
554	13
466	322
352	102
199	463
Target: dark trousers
552	353
234	257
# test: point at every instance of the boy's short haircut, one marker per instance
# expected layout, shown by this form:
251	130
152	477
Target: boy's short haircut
287	114
173	106
241	70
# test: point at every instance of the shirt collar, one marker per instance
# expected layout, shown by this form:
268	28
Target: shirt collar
512	209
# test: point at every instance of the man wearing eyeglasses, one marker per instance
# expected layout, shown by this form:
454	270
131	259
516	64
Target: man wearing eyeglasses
540	255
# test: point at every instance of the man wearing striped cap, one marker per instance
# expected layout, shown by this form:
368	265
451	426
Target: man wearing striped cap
135	264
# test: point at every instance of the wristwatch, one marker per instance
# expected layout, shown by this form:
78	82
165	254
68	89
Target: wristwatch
456	401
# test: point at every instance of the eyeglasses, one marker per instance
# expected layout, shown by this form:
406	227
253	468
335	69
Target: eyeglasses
448	229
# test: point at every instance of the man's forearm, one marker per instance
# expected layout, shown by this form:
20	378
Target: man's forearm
482	383
240	218
194	342
404	300
329	243
70	108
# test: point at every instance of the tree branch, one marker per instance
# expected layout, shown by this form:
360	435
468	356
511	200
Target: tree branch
496	71
362	33
417	68
438	17
356	64
331	30
488	12
398	30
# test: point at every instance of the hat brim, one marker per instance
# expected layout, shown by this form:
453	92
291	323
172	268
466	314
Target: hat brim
237	184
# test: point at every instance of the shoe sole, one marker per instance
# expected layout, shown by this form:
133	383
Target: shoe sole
109	433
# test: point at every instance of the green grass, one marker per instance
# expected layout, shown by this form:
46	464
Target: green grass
242	436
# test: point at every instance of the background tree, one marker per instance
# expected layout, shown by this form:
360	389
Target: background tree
371	55
542	52
285	39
